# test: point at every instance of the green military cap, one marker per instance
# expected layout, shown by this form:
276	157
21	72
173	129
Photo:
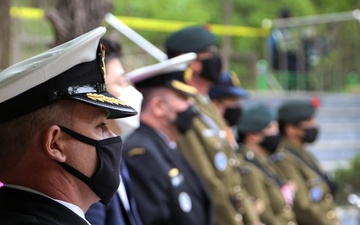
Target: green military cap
190	39
295	111
255	118
74	70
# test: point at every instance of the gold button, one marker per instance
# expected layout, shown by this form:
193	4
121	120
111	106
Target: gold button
239	196
330	215
328	197
232	162
222	134
238	217
237	188
217	145
241	210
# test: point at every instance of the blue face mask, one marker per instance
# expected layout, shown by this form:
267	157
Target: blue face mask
105	182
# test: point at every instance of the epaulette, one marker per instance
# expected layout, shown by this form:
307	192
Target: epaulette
278	156
244	169
136	151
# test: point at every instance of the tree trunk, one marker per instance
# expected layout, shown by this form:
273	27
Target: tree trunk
72	18
5	31
227	41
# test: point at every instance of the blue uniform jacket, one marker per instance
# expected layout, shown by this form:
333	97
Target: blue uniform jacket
167	189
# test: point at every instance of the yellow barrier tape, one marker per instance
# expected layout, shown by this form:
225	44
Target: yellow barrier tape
27	13
155	24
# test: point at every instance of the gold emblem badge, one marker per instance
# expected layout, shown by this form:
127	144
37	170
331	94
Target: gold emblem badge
183	87
103	98
188	74
103	67
173	172
234	79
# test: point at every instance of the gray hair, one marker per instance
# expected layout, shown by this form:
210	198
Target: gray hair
16	135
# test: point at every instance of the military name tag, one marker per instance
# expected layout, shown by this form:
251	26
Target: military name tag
185	202
220	161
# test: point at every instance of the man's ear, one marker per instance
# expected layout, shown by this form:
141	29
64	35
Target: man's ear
157	106
54	143
290	130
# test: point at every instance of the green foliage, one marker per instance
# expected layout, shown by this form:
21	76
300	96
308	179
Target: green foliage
192	11
246	50
348	180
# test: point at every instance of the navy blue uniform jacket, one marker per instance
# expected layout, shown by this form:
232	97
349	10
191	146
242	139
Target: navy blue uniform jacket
19	207
167	189
114	213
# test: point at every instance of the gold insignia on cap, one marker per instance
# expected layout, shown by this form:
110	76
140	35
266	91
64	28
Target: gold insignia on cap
235	79
102	47
103	98
188	73
136	151
173	172
183	87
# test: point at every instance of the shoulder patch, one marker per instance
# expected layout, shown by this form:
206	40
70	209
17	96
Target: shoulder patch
136	151
277	157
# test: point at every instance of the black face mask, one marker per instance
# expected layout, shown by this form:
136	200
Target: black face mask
211	68
232	115
310	134
271	143
106	179
184	119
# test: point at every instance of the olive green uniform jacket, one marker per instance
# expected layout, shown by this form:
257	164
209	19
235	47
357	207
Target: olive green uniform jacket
313	203
264	184
213	157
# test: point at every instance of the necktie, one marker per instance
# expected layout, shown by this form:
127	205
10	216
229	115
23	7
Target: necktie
128	201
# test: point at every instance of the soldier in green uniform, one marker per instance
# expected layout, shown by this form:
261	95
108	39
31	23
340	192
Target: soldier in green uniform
206	146
313	203
258	127
226	96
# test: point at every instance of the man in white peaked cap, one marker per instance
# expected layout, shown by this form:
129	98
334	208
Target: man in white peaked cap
167	189
57	155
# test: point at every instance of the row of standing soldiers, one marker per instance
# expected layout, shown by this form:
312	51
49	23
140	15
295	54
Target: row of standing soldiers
235	165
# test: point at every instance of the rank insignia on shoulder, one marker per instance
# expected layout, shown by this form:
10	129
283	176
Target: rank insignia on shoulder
136	151
277	156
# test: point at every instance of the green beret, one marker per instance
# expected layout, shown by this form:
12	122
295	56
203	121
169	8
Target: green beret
295	111
255	118
190	39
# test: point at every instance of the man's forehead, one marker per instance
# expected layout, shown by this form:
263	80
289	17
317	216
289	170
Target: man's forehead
92	111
